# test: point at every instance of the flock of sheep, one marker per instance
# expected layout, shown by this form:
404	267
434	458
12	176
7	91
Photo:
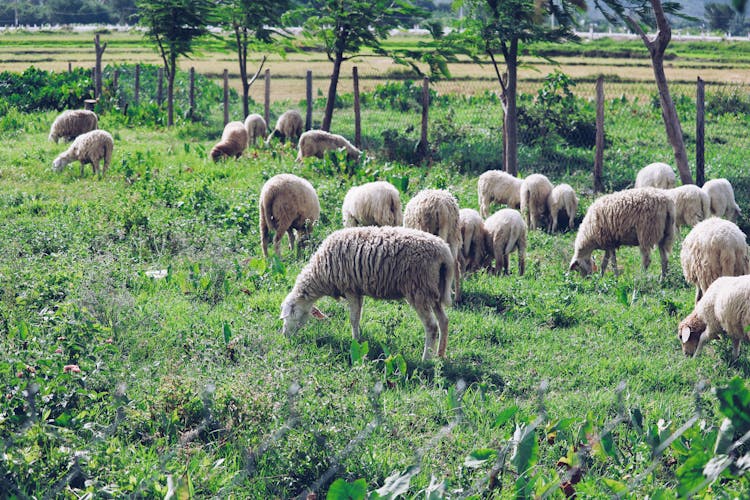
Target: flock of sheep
421	254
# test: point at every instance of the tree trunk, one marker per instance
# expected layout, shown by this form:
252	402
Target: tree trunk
328	116
242	57
170	91
511	115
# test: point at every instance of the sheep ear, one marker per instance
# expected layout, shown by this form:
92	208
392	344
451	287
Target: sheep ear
574	265
317	314
286	309
685	334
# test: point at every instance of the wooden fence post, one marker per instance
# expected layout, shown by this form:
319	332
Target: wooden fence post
357	115
599	155
191	92
137	91
700	133
93	81
98	68
309	96
267	99
70	67
226	96
160	86
422	148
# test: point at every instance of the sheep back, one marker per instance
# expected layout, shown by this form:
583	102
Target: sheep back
288	126
317	142
496	186
658	175
233	141
256	128
562	198
435	211
473	251
372	204
535	189
691	203
721	194
90	147
71	123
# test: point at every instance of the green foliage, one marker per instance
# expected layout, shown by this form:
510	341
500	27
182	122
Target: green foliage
39	90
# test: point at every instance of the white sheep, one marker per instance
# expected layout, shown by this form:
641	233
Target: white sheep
496	186
287	203
91	147
725	308
256	128
713	248
641	217
383	263
535	190
473	252
71	123
372	204
233	141
288	126
721	193
317	142
562	199
691	204
435	211
658	175
506	232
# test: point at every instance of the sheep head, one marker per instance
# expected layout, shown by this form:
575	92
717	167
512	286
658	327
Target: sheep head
689	332
585	266
59	163
295	312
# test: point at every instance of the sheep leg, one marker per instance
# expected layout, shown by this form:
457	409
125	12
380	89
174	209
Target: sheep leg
82	165
277	240
355	313
553	226
264	234
664	261
521	261
506	264
290	232
605	261
457	281
443	326
646	258
430	330
705	336
95	166
735	349
614	263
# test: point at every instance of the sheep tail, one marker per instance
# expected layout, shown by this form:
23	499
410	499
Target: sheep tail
446	282
669	230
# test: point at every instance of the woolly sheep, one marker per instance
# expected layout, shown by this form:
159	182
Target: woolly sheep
498	187
658	175
722	199
372	204
641	217
506	232
288	126
713	248
71	123
535	190
378	262
287	203
435	211
473	251
317	142
233	141
562	199
691	204
256	128
91	147
725	308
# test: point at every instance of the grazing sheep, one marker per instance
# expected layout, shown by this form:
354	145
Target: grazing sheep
288	126
641	217
473	251
91	147
287	203
71	123
725	308
256	128
658	175
378	262
317	142
506	232
233	141
713	248
435	211
372	204
535	190
722	199
691	204
498	187
562	199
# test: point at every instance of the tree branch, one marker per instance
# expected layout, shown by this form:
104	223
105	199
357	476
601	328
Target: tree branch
257	73
636	28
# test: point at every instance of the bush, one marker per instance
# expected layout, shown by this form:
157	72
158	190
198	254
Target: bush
39	90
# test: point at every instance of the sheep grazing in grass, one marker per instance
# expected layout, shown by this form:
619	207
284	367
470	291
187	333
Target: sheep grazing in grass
721	194
725	308
713	248
641	217
288	126
658	175
233	142
372	204
287	203
506	232
562	200
691	204
256	128
382	263
473	251
91	147
71	123
535	190
317	142
495	186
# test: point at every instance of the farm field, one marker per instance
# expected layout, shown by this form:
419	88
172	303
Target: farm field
151	281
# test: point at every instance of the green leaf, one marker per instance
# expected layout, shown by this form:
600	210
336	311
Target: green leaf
663	494
690	473
526	452
342	490
734	403
357	351
478	457
504	416
616	486
227	333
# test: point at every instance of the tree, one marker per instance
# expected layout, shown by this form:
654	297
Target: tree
652	13
174	25
501	27
739	6
719	16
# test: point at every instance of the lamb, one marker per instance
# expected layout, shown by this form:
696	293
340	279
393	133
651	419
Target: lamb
641	216
725	308
317	142
72	123
506	232
435	211
372	204
378	262
473	251
498	187
287	203
256	128
722	199
713	248
535	189
691	204
90	147
658	175
562	199
233	141
288	126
